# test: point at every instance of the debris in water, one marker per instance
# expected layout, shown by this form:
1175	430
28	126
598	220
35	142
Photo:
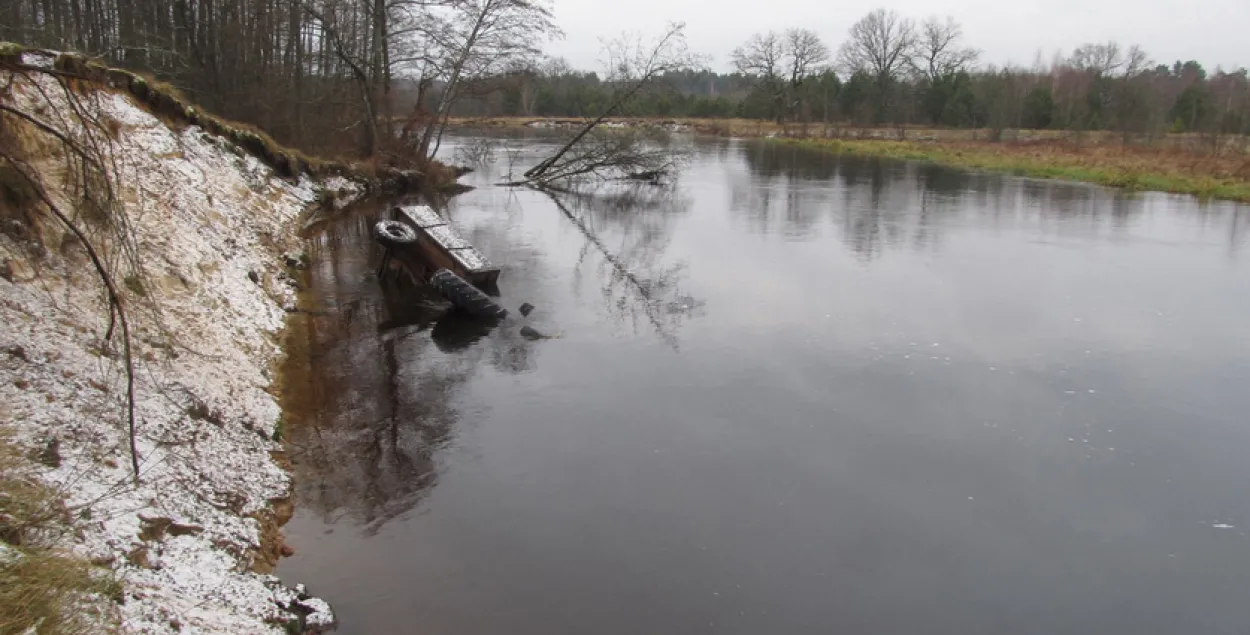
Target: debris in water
1222	526
528	332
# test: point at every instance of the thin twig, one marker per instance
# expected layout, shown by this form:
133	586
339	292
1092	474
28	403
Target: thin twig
115	298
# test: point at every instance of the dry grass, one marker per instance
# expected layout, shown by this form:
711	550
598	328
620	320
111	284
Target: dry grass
40	587
55	594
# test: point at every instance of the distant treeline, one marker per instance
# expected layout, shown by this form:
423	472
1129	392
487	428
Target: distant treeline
892	71
380	77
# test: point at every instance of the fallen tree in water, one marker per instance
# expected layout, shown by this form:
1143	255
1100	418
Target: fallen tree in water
610	155
633	68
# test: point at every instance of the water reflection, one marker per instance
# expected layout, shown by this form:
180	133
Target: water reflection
879	204
637	283
371	380
964	390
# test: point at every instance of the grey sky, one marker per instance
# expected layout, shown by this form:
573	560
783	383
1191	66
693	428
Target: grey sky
1214	32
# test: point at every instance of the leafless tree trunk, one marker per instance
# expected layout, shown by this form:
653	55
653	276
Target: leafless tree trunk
805	56
633	67
761	57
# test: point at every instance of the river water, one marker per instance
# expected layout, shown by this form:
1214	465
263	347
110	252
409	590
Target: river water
796	393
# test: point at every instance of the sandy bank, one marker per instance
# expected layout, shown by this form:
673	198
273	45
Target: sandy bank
206	281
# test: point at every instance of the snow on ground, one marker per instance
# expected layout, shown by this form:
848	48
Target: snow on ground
212	226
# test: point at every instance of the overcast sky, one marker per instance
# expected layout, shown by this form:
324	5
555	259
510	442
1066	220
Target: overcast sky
1214	32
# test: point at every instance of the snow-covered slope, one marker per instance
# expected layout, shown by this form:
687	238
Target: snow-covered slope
214	231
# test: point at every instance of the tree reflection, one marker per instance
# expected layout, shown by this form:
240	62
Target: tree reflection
638	286
882	204
784	175
371	380
1238	229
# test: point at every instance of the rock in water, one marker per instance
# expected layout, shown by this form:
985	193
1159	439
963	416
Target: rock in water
529	333
526	309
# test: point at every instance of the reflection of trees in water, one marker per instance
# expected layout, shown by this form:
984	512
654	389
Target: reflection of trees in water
627	231
878	199
1238	229
371	382
786	183
370	417
879	204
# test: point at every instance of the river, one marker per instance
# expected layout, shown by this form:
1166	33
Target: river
796	393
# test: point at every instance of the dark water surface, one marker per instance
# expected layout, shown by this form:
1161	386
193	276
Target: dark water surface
799	394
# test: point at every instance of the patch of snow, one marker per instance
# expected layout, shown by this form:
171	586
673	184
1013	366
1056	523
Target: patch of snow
9	555
471	258
447	237
319	613
205	219
40	59
423	216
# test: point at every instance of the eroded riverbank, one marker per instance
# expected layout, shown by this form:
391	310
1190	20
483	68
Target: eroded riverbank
194	239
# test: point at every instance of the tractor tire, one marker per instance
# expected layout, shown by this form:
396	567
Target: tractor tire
465	296
393	233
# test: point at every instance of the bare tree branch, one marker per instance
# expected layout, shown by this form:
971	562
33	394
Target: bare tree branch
882	44
939	49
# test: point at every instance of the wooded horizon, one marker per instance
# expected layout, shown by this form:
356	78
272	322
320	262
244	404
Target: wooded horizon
382	77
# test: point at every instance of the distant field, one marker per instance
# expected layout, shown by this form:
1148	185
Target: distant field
1181	163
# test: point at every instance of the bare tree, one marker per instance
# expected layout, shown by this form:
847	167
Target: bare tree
1098	59
633	66
485	37
882	44
781	63
940	50
1136	61
762	57
617	154
805	55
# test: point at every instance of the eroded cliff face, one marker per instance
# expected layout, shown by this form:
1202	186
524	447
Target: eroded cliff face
200	245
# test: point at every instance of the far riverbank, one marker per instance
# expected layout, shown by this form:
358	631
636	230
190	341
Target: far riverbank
1178	163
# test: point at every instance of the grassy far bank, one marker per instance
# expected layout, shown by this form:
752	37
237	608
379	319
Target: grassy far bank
1172	165
1129	167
